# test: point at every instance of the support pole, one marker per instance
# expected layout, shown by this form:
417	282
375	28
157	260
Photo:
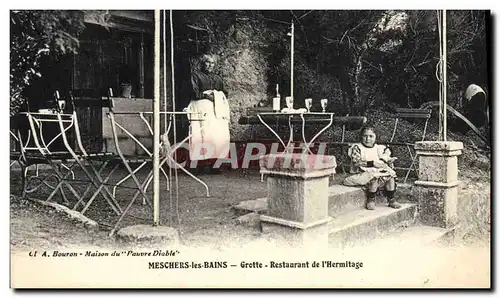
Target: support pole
156	124
164	71
172	67
291	60
444	77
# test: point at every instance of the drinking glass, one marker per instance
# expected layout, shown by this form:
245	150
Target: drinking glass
61	105
308	102
324	103
289	102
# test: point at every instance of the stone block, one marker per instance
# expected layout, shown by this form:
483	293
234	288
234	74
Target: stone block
297	184
436	187
298	165
312	237
250	220
440	148
296	199
438	168
158	235
437	205
344	198
258	206
438	160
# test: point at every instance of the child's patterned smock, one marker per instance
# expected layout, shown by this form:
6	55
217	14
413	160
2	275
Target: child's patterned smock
362	159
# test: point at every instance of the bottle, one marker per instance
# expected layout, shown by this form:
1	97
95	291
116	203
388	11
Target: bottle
276	100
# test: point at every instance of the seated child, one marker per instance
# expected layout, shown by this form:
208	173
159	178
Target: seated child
372	166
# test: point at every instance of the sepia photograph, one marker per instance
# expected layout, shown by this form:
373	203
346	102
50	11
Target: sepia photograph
250	149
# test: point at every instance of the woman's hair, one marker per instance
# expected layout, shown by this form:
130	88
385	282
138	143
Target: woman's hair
205	57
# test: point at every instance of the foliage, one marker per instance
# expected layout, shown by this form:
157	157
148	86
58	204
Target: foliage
36	34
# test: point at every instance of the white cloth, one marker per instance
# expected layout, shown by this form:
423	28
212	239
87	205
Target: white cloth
221	105
210	137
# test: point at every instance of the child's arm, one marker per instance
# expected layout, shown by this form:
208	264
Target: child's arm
384	153
354	154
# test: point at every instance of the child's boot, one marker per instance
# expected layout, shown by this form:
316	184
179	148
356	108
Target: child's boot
370	201
393	203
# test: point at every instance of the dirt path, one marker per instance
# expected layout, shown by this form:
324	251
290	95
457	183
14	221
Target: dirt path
203	221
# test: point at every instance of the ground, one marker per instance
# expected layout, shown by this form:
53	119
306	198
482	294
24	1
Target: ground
203	221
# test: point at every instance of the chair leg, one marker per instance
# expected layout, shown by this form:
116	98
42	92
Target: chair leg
117	208
99	182
127	177
89	187
23	181
129	205
409	169
62	181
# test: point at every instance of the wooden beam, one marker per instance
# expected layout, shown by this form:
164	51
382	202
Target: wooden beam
125	23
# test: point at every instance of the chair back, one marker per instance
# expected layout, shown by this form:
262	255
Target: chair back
411	114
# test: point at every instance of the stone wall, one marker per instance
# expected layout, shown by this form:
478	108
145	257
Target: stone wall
243	68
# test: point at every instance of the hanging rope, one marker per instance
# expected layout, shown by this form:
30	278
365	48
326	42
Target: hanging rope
439	76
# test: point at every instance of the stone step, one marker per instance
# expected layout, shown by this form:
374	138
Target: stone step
341	199
251	206
413	236
361	225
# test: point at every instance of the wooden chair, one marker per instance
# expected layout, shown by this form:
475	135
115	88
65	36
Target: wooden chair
412	115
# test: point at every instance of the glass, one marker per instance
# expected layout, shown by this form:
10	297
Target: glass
289	102
61	105
324	103
308	102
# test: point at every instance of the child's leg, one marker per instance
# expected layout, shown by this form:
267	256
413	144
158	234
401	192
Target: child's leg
390	188
370	194
390	185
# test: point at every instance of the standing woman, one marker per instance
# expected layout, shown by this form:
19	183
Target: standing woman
210	137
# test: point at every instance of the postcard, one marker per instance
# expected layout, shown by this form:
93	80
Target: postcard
250	149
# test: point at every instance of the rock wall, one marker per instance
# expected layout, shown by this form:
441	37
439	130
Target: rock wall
243	67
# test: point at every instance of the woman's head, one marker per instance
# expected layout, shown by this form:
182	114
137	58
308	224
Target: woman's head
208	62
368	136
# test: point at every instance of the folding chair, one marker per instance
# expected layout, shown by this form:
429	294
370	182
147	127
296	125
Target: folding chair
17	156
15	153
94	164
38	150
168	149
409	114
118	127
74	154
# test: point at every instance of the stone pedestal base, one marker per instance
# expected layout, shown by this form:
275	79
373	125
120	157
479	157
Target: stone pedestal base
297	197
437	184
295	235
